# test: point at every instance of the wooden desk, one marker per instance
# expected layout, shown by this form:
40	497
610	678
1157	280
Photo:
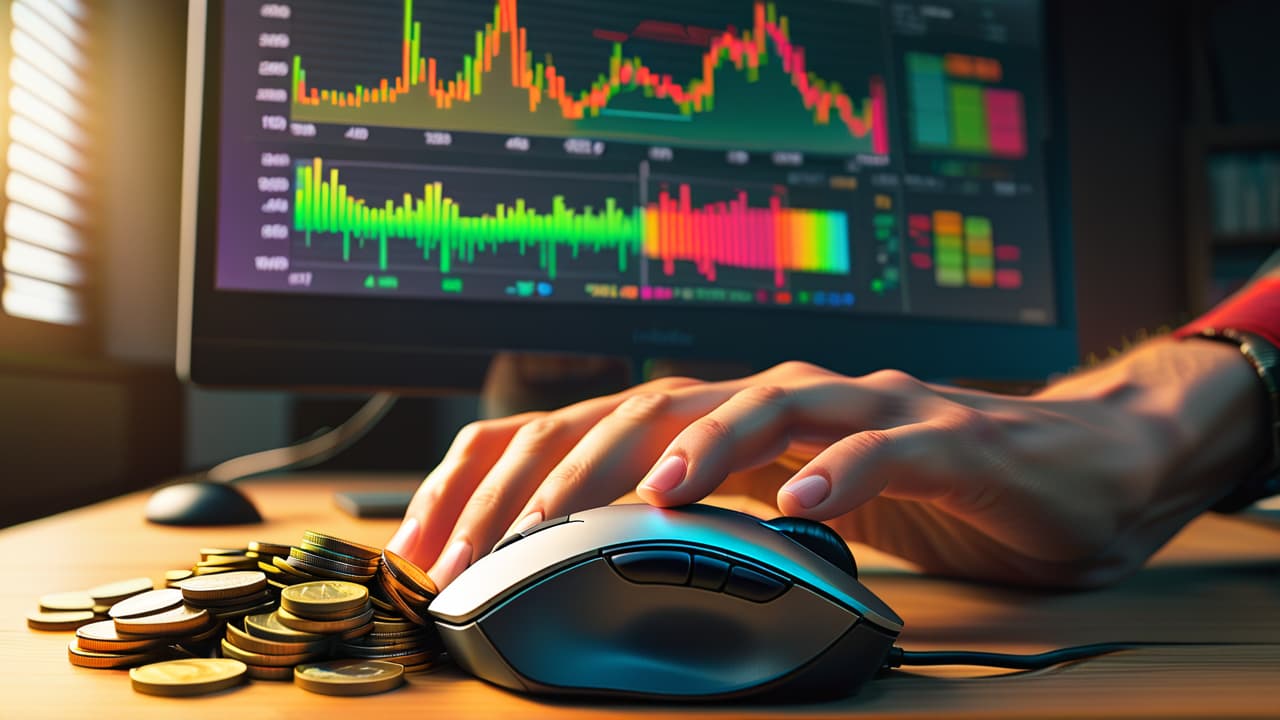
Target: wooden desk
1218	581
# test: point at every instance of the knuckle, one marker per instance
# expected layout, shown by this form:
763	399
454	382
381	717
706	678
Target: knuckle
758	395
865	443
671	382
567	474
485	498
792	368
470	434
893	379
762	396
538	432
966	421
641	407
711	430
431	492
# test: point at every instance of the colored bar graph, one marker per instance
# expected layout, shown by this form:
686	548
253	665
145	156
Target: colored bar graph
952	106
774	238
960	251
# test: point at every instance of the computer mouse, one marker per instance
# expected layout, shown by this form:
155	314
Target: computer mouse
201	502
689	603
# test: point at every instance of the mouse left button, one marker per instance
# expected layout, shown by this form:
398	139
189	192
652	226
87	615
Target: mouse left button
513	537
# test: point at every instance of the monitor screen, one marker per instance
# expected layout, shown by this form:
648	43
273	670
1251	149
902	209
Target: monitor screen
670	168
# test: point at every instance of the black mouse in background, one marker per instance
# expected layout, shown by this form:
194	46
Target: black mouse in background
683	603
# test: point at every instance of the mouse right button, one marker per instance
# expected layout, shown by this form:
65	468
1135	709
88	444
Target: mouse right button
754	586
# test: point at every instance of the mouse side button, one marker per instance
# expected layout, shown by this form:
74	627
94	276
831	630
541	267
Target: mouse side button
754	586
709	573
664	567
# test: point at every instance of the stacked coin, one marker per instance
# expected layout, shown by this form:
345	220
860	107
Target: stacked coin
327	607
401	632
269	649
265	554
229	595
70	610
220	560
268	607
142	629
328	557
99	645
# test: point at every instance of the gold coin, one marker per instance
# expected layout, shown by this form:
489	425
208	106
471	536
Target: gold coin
101	636
264	672
147	603
356	632
266	548
245	641
253	658
386	627
239	562
104	660
173	577
410	575
192	676
349	677
57	621
324	626
66	602
223	585
407	609
112	593
324	597
284	566
182	620
267	626
346	547
208	552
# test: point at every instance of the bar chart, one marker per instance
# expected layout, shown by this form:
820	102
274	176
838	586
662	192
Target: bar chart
956	105
961	251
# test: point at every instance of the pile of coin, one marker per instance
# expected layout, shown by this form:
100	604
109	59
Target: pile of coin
266	611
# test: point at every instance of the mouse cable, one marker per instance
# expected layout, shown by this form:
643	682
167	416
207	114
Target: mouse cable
898	657
310	451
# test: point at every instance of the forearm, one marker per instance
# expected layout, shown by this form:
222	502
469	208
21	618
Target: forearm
1202	406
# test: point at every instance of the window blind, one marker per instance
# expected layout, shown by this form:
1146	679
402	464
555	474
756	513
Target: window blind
46	201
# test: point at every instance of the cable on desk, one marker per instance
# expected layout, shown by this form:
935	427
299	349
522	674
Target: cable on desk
1034	661
311	451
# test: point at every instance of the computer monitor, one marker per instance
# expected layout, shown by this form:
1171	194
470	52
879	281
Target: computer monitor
385	193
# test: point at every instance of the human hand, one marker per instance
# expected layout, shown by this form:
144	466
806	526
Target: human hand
1074	486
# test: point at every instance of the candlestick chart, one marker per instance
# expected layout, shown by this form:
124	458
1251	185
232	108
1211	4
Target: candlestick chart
749	88
430	226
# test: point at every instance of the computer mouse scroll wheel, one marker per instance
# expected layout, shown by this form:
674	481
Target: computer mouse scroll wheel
819	539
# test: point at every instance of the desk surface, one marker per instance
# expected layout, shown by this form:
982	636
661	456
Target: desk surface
1217	582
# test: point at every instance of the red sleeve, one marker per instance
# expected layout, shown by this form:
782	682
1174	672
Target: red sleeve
1254	309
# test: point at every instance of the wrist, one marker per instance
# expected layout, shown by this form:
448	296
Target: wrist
1198	403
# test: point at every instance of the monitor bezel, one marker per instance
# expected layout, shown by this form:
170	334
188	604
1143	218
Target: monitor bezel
348	343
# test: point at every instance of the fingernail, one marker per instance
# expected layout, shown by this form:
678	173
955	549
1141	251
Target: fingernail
526	522
808	491
405	538
451	563
667	475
